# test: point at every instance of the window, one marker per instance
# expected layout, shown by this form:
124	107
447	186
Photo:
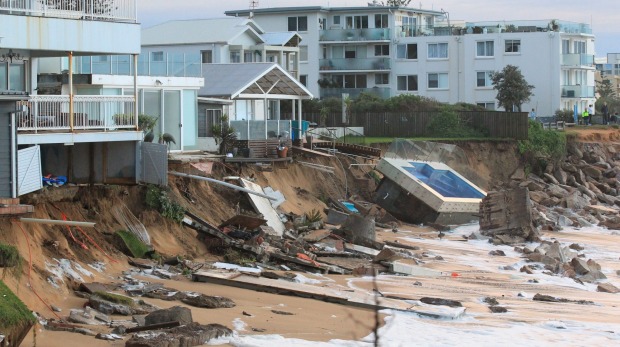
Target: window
437	81
513	46
487	105
483	79
303	53
298	23
350	81
484	49
407	83
357	22
207	57
437	50
382	78
207	120
350	52
382	50
579	47
157	56
13	77
303	79
565	46
248	57
235	57
408	51
336	20
381	21
4	83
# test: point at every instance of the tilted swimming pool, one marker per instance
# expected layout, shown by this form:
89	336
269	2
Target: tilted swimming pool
444	182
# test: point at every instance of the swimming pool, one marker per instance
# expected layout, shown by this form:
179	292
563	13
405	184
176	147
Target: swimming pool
444	182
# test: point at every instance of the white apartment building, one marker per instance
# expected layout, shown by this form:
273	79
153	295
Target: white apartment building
609	69
394	50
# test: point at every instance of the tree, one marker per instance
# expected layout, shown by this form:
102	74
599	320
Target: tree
396	2
512	88
605	89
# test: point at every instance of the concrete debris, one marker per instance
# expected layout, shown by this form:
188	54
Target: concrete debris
183	315
607	288
193	334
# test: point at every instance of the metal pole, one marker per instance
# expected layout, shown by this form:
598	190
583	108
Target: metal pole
245	190
71	91
135	89
57	222
13	138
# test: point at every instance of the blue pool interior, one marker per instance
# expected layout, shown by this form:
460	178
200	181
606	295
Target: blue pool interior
444	182
350	206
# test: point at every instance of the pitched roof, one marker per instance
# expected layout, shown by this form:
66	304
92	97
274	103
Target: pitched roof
197	31
251	81
286	38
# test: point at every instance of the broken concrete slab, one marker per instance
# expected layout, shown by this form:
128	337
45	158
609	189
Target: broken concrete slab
439	301
263	206
193	334
206	301
413	270
317	235
183	315
93	287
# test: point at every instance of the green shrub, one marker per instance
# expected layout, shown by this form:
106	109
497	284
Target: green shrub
157	198
448	124
12	310
542	147
313	216
9	255
137	248
564	115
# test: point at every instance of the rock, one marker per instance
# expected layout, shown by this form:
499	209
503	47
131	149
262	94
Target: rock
527	270
498	309
535	257
140	319
491	301
575	202
557	191
533	186
208	301
586	192
608	199
549	178
108	337
576	247
568	271
539	196
442	302
572	149
593	172
607	288
518	175
193	334
581	266
498	252
283	313
564	221
88	318
108	307
387	254
56	308
183	315
560	175
119	330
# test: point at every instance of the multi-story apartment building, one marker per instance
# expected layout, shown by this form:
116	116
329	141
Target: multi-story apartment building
609	69
77	136
394	50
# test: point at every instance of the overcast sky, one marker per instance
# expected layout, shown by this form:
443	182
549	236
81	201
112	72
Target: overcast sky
604	15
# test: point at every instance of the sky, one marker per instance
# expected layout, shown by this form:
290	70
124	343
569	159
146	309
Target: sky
603	15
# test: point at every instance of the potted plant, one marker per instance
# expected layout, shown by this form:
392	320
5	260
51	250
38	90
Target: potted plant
147	123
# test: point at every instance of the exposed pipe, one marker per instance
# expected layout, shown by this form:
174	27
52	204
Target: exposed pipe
245	190
57	222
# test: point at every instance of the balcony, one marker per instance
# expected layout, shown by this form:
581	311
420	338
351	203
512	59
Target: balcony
354	93
109	10
171	65
357	64
248	130
577	91
93	112
577	59
367	34
414	31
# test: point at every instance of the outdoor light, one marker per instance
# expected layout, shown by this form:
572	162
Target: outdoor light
11	56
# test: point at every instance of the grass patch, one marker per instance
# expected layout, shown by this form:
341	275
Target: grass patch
12	310
137	248
11	261
115	298
157	198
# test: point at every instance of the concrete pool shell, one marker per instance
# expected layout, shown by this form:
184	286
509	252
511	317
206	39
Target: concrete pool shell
451	197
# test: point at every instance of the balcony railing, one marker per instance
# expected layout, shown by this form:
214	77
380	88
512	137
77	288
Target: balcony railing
261	129
90	112
577	91
354	93
354	64
107	10
577	59
422	30
367	34
171	65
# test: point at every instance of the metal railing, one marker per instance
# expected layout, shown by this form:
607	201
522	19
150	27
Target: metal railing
578	59
261	129
355	64
422	30
366	34
92	112
105	10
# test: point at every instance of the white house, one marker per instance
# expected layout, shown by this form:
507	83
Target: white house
389	50
72	135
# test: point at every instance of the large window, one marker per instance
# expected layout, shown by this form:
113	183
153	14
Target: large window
408	51
298	23
485	48
437	50
381	21
437	81
207	120
382	50
487	105
207	57
235	57
13	77
513	46
407	83
155	56
382	78
303	53
248	57
350	81
483	79
579	47
357	22
336	20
